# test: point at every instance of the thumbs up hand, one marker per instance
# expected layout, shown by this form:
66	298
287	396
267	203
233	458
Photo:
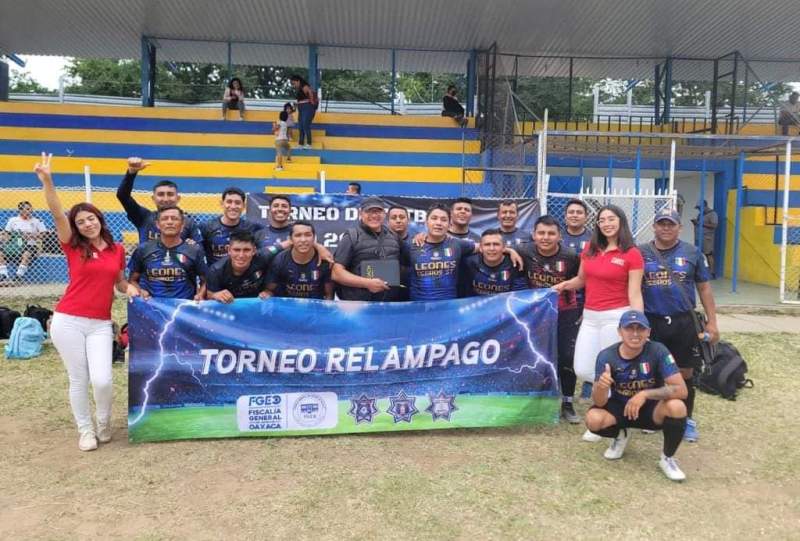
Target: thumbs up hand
606	381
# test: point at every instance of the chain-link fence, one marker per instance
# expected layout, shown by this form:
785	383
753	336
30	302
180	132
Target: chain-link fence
32	264
790	264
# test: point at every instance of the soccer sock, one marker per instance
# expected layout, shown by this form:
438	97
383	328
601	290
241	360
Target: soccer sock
4	270
608	432
21	270
566	399
673	434
689	400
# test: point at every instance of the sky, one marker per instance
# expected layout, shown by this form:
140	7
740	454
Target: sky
45	70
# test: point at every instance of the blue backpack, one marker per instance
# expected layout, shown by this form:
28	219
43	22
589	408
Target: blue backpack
26	339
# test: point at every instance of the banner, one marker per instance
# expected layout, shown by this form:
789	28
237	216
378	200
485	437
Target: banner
289	367
333	214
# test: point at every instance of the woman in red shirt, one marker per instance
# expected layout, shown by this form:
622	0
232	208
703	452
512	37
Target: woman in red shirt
81	326
611	273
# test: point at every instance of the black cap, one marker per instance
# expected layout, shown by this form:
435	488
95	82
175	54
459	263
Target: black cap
372	203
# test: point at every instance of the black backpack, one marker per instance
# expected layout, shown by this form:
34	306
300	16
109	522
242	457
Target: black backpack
7	319
726	375
39	314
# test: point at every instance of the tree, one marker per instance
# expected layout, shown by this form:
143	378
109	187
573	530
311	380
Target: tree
23	83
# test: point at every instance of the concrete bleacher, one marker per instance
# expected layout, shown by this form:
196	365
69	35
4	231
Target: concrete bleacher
387	154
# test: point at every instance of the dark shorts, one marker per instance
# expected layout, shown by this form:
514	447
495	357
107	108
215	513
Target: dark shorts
645	419
568	326
678	334
15	253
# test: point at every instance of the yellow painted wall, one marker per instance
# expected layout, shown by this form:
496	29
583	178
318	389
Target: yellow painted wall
759	256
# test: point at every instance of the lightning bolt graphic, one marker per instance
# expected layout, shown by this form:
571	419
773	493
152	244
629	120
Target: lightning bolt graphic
538	356
161	358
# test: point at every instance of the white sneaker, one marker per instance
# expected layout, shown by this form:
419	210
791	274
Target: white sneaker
648	431
103	433
670	468
307	147
279	169
591	437
617	447
87	442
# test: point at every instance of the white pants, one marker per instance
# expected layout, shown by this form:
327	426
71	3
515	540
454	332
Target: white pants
598	331
85	348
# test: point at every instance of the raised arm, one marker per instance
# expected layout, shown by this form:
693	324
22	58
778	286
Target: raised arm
135	212
42	170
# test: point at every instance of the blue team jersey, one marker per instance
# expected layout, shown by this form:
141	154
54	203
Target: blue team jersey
481	279
169	272
216	237
298	280
469	235
648	370
513	239
249	284
433	268
268	237
661	287
577	243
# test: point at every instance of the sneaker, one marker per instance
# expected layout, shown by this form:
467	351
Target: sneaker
568	413
617	447
586	391
670	468
648	431
103	433
591	437
307	147
279	169
87	442
691	435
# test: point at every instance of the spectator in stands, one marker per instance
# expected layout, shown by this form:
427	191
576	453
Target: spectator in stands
165	194
300	273
283	150
710	221
460	218
369	241
353	188
20	243
611	272
81	325
790	113
307	107
233	98
451	107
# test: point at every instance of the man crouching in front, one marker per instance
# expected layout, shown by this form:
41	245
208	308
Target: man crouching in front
638	385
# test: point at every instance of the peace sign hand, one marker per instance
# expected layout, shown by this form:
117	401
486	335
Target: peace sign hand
42	169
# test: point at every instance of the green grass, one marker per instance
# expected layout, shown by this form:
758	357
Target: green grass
537	482
473	411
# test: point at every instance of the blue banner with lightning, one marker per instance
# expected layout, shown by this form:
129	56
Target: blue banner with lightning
282	366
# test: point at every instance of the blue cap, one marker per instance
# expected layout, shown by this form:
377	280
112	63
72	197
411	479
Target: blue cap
634	317
668	214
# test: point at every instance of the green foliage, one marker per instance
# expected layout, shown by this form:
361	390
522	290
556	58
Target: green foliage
22	83
538	93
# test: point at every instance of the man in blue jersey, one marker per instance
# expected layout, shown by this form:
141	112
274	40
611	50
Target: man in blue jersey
673	269
280	225
434	263
216	232
298	272
169	266
242	273
507	215
165	194
638	385
547	263
576	235
491	271
460	218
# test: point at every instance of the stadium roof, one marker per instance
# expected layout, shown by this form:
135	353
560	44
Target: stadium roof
356	34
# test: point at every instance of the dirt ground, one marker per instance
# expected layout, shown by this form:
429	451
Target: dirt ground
542	483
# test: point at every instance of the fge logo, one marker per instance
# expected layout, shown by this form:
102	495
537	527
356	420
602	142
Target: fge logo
265	400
